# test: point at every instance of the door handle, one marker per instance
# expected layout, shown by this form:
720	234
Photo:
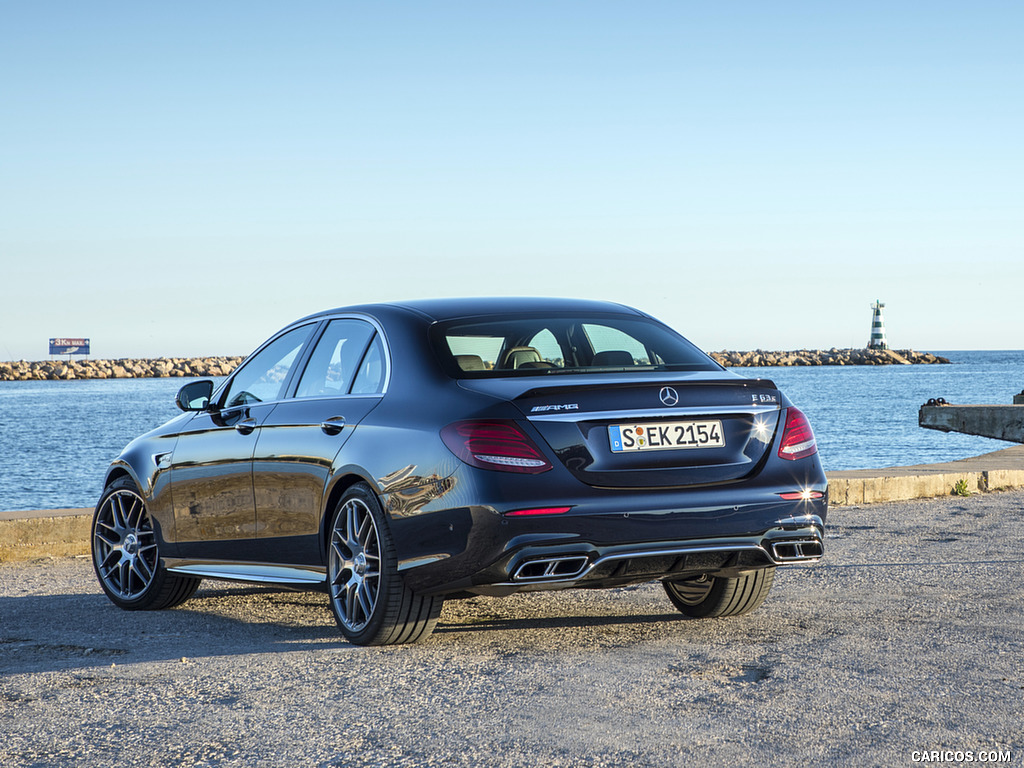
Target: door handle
246	426
333	425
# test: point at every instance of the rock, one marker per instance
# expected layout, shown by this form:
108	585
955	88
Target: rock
216	367
51	370
833	356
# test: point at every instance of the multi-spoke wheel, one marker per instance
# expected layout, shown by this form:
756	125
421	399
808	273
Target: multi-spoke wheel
126	554
707	596
368	597
355	564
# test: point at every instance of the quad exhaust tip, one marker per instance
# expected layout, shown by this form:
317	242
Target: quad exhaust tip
797	550
570	567
553	568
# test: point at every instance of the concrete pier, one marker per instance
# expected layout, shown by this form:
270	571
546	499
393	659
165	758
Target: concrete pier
989	472
1001	422
25	535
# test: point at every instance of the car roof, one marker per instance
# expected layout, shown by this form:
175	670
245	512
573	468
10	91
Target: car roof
453	308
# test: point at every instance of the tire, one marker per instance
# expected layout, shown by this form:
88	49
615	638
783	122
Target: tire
368	597
707	597
126	553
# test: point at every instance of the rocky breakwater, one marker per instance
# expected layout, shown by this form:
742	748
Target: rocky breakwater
207	367
150	368
762	359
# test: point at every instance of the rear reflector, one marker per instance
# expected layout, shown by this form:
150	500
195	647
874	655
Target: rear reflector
500	445
797	438
538	511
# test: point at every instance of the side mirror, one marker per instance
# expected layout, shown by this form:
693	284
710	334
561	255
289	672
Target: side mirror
195	396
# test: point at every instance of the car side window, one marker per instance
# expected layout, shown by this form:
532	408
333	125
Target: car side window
370	379
334	363
262	378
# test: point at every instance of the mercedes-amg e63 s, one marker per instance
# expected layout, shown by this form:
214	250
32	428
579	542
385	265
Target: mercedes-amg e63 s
398	455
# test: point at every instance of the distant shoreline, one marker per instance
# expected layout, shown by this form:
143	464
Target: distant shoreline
199	367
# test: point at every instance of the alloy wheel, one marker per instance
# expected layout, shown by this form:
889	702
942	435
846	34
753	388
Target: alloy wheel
355	564
124	545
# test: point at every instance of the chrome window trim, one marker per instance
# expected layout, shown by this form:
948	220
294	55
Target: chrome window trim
319	323
655	413
378	328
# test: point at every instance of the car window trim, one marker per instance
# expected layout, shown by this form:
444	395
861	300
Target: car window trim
362	359
293	384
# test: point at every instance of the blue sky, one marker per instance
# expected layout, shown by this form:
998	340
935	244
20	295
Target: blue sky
185	178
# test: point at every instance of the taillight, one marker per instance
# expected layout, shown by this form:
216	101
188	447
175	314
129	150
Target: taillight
500	445
797	438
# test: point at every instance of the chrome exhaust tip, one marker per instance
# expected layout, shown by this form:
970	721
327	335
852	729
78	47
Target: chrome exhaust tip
797	550
552	568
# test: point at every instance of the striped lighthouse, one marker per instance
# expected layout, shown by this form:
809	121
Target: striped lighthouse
877	327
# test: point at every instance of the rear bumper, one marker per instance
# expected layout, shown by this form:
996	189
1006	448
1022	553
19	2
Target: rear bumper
600	548
535	570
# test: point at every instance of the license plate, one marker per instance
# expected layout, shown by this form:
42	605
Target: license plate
662	437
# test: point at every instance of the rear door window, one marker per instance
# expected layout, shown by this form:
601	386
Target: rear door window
336	359
370	378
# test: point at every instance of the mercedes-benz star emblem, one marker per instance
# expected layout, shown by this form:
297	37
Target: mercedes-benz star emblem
669	396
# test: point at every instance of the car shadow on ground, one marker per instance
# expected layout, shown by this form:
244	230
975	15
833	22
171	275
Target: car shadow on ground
40	633
490	623
55	632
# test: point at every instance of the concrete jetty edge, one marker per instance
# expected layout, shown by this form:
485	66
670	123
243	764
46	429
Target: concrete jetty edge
26	535
988	472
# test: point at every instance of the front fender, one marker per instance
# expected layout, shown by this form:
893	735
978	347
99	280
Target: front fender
147	462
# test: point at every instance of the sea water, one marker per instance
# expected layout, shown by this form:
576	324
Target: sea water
57	437
865	417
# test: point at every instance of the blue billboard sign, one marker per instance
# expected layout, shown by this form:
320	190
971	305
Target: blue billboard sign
69	346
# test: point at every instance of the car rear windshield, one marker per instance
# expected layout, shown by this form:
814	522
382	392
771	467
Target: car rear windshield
547	346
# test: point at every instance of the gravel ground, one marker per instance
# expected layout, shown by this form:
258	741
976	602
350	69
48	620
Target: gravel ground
909	638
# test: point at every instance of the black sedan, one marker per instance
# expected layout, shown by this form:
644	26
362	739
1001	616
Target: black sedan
397	455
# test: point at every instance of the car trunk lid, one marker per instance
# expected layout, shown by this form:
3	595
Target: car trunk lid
661	431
